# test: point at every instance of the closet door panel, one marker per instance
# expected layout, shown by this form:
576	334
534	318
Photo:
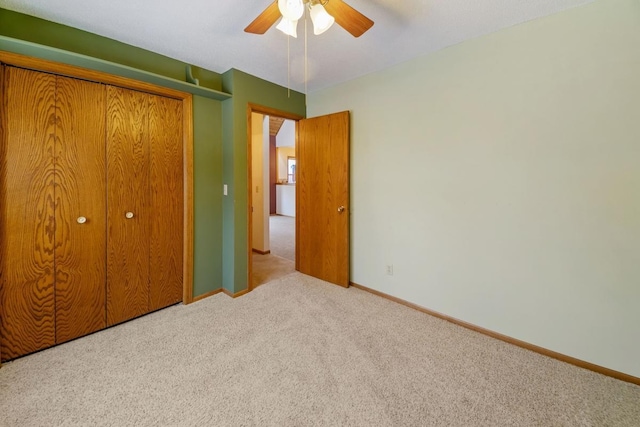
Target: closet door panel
127	195
80	194
166	202
27	223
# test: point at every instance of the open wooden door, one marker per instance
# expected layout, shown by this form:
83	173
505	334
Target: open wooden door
322	198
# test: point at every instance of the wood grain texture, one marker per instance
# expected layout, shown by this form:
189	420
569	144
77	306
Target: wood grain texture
268	111
265	20
27	302
322	186
65	184
87	74
348	18
80	191
275	123
127	191
3	125
250	198
187	250
166	201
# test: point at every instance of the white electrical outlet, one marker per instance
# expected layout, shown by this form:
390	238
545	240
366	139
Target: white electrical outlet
224	189
390	270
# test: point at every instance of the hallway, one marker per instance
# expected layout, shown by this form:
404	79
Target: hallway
281	260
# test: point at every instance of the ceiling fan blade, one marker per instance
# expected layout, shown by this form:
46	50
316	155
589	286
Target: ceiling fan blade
348	18
265	20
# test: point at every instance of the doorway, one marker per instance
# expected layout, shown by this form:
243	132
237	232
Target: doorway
271	140
321	194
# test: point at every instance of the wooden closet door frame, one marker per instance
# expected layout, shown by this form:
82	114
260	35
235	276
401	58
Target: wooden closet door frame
52	67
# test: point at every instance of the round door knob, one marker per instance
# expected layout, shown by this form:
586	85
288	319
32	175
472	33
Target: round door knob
129	215
81	220
341	209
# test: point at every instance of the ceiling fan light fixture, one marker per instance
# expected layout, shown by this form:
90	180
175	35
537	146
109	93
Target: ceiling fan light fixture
291	9
288	26
322	21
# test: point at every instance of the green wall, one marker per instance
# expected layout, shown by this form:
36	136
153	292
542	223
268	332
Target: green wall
245	89
207	127
220	142
207	169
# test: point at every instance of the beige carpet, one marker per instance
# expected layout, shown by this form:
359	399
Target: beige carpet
282	236
300	352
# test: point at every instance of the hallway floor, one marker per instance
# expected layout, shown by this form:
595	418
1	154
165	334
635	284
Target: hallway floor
281	260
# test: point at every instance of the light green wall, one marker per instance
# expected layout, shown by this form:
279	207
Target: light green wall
245	89
207	128
501	179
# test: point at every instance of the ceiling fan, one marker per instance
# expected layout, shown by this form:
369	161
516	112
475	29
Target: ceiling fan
323	14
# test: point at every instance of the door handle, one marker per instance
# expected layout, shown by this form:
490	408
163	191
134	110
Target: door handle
341	209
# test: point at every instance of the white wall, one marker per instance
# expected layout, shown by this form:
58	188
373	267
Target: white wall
286	136
501	178
260	181
286	200
266	199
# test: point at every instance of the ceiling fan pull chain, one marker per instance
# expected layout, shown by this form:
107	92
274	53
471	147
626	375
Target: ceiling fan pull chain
306	72
288	66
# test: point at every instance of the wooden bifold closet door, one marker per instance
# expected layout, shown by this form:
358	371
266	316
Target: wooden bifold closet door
80	208
52	266
27	207
166	202
128	199
144	170
91	207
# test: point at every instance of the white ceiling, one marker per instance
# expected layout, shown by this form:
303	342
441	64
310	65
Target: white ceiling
209	33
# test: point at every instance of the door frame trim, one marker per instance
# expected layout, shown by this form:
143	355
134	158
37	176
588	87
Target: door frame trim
2	130
44	65
267	111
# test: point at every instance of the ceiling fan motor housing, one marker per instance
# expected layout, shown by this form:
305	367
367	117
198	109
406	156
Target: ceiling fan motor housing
345	16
